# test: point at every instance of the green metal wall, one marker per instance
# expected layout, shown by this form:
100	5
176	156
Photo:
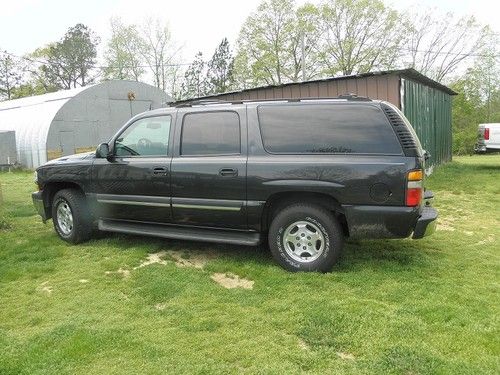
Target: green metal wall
429	111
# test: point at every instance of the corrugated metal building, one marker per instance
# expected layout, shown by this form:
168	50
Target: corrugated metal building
72	121
8	154
425	102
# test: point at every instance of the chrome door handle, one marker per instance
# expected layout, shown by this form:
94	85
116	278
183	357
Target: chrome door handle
228	172
160	171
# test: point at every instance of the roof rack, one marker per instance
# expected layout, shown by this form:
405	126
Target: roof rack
348	97
199	102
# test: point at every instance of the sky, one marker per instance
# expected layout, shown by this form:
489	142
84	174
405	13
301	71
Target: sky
196	25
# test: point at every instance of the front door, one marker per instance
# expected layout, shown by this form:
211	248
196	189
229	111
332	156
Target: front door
134	184
209	168
67	141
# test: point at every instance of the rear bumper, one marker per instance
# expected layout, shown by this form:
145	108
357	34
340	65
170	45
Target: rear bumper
426	223
479	147
372	222
37	197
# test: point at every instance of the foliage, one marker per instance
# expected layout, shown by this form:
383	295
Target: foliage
478	99
159	52
195	82
123	52
220	69
69	62
30	88
10	75
438	44
343	37
425	306
269	44
359	36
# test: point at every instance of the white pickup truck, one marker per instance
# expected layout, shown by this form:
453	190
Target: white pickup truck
488	138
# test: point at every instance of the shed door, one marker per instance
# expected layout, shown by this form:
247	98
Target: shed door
67	142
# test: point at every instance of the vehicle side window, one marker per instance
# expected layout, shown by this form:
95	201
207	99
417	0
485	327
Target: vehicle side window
327	128
211	133
145	137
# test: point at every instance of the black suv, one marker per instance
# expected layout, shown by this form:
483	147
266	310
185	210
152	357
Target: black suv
305	174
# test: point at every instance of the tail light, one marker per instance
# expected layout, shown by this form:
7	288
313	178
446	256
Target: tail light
486	134
414	188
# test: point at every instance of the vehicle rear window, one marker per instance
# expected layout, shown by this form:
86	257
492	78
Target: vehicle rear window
211	133
326	128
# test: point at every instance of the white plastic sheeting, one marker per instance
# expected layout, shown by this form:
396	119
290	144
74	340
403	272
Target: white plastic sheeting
31	118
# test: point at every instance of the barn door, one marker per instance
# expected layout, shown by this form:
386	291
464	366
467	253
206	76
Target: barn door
67	142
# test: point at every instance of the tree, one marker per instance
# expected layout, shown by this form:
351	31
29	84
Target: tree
10	75
438	44
159	52
220	69
359	36
194	84
267	43
124	54
70	61
305	44
478	99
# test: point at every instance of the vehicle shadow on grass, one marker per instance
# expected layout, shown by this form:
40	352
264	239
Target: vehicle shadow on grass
382	254
239	253
357	255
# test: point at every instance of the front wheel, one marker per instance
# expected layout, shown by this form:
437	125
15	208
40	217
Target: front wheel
70	216
305	237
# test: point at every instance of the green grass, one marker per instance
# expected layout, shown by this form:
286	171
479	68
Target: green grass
389	307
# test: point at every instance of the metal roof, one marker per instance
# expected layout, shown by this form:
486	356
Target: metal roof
409	73
31	118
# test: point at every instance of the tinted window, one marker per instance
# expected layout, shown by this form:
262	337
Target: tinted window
327	128
211	133
145	137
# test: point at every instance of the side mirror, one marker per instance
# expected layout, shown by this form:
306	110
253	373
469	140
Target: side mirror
103	151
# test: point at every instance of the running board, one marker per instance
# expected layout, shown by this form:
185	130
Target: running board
181	233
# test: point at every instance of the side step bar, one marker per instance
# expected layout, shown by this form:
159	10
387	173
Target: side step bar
181	233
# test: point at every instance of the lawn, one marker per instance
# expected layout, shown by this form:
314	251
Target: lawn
121	304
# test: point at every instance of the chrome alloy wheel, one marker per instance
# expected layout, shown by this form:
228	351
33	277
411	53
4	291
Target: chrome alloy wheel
303	241
64	217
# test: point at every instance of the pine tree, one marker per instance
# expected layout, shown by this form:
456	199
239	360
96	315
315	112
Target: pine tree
195	84
220	69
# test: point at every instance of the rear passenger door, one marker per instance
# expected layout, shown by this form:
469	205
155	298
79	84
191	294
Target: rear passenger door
209	168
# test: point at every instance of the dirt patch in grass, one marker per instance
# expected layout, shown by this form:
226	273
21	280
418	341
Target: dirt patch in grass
446	223
346	356
303	345
160	306
120	271
193	259
153	258
487	240
45	288
230	281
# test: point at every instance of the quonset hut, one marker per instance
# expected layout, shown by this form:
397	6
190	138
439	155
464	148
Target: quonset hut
71	121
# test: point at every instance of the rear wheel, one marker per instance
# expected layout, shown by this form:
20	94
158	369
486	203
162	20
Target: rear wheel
71	217
305	237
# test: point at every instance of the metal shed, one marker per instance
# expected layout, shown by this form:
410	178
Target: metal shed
425	102
72	121
8	154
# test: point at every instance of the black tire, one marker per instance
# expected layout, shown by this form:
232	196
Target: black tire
80	229
313	219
